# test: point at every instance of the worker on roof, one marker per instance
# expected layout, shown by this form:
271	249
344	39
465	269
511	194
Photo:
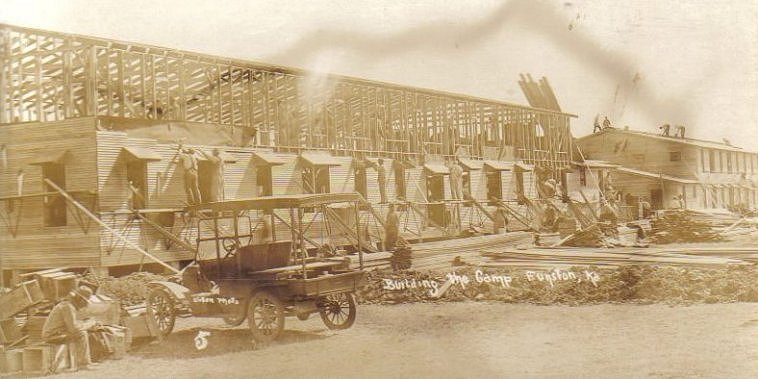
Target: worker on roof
597	127
606	123
680	131
665	129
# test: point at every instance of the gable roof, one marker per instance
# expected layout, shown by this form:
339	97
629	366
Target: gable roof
687	141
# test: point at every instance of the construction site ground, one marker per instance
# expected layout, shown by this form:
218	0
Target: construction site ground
469	340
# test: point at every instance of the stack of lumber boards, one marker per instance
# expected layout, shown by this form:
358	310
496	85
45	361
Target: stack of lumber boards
438	255
611	258
747	254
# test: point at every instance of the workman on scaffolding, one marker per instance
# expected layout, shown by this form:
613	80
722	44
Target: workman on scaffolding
456	179
381	178
391	228
189	164
500	217
216	175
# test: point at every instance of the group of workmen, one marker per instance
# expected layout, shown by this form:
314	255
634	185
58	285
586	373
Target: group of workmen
189	162
665	130
598	128
188	159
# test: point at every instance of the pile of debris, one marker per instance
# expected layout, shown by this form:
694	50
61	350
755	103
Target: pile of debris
683	226
25	308
571	286
131	289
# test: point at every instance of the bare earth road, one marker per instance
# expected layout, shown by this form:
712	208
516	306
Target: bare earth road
470	340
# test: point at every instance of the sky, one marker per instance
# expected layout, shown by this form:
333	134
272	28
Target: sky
642	63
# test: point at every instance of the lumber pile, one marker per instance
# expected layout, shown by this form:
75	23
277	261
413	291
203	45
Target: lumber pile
439	255
612	258
685	226
130	290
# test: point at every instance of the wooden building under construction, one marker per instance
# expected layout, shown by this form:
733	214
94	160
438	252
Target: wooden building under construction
673	172
102	120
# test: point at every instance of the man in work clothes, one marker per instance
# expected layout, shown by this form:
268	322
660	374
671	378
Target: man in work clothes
500	219
608	216
596	127
189	164
643	208
216	175
680	131
391	229
456	179
381	178
62	324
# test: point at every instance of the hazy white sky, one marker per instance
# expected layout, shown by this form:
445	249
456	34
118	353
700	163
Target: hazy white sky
695	62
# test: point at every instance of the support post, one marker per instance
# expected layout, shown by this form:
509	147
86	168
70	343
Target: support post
301	240
358	232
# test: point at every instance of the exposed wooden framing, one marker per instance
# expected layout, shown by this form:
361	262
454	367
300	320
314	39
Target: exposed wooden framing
48	74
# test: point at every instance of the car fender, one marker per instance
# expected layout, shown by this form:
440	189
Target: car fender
177	290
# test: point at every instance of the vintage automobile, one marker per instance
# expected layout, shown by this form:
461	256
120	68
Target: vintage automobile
263	281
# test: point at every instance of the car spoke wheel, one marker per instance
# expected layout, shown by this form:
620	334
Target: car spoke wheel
160	306
265	316
338	311
237	314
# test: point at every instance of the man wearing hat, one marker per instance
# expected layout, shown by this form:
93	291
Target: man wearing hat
62	323
189	164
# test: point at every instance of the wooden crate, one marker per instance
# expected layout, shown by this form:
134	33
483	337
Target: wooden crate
14	361
19	298
141	326
10	332
119	346
33	328
56	285
37	359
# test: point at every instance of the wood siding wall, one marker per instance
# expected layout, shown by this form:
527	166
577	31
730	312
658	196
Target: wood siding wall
36	246
726	177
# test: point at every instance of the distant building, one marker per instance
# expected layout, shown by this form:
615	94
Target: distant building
707	174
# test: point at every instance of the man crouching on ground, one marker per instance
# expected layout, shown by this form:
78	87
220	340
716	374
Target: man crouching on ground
62	324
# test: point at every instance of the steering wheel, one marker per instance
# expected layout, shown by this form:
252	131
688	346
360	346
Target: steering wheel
230	245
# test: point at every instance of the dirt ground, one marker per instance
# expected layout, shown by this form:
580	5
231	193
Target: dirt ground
468	340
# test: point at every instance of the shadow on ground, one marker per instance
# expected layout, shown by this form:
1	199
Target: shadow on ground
181	344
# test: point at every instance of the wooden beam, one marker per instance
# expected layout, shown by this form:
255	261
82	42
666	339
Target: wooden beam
115	233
